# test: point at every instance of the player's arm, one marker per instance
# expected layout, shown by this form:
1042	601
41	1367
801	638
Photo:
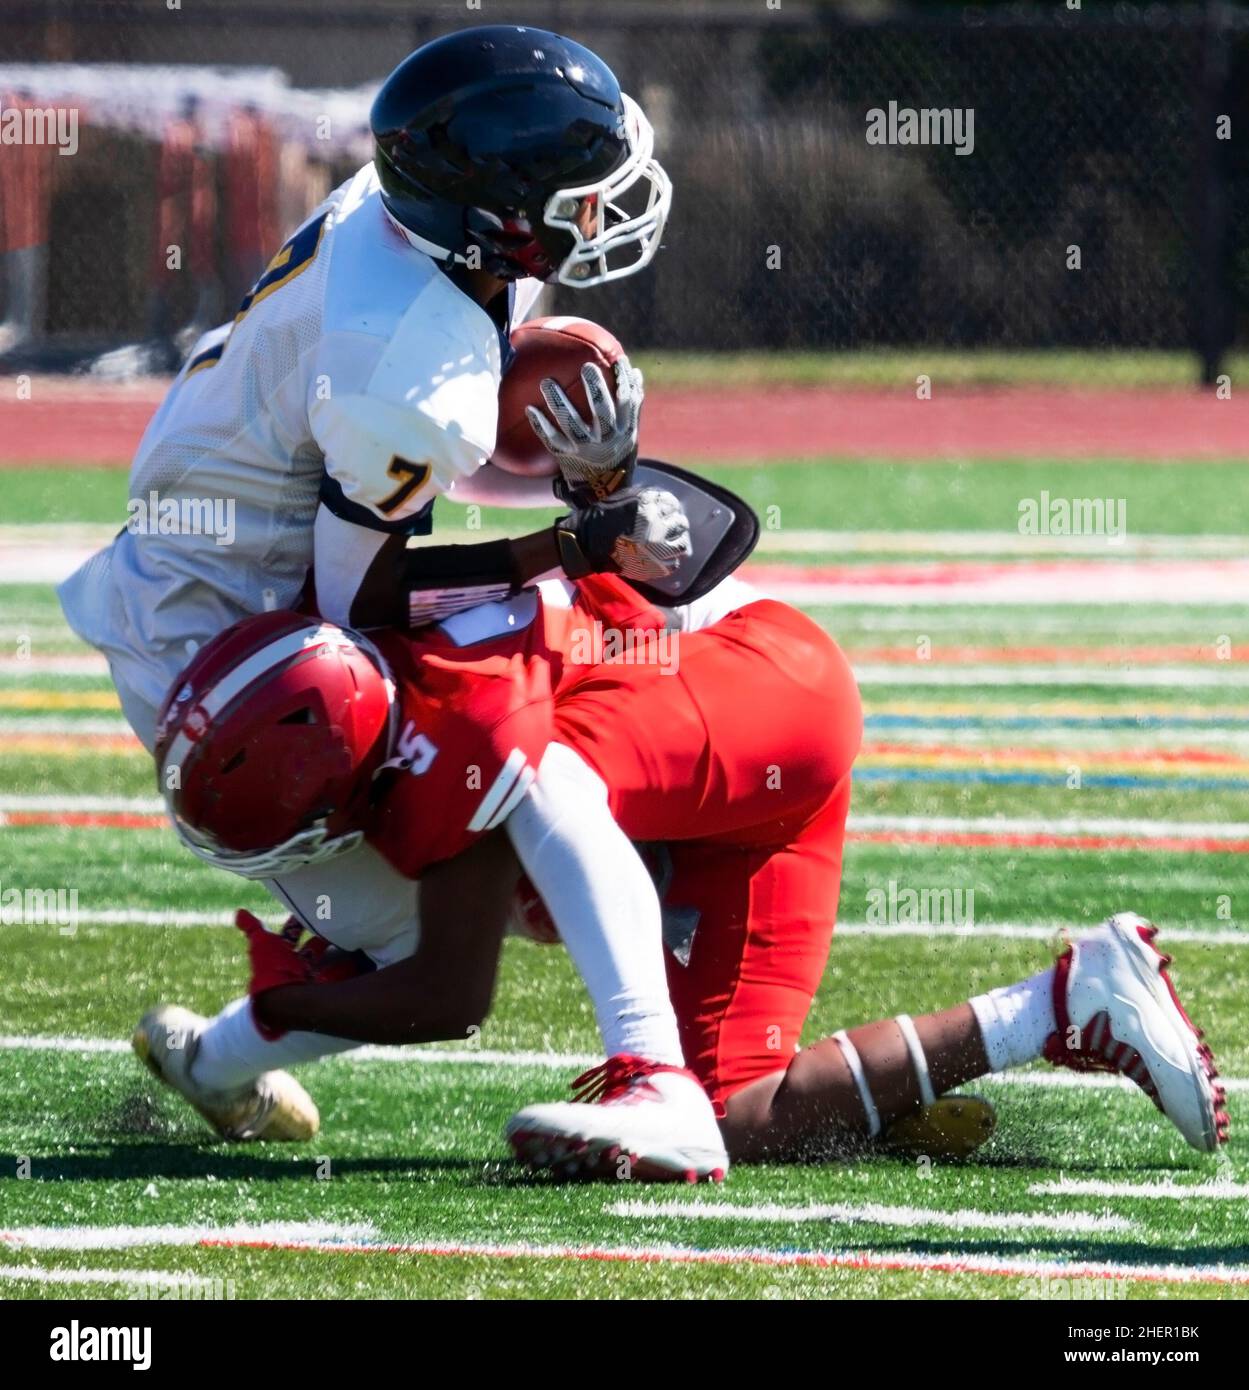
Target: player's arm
440	992
599	895
494	487
642	534
389	452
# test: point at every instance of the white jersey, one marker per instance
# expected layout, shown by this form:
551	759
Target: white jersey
356	375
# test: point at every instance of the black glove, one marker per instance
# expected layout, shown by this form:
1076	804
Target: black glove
639	533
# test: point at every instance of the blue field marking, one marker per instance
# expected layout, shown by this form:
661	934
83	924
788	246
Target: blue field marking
1123	781
1140	722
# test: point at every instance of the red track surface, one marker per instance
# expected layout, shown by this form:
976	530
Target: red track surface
88	423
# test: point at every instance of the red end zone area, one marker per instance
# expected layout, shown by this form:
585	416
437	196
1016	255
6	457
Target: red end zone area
53	419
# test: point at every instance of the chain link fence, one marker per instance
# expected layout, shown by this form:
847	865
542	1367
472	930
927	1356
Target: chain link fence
1099	199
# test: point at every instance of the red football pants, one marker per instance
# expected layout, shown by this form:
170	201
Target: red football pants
740	764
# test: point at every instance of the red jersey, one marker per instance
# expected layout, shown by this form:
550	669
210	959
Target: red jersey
476	715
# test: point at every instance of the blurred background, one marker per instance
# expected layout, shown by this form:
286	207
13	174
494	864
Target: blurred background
217	127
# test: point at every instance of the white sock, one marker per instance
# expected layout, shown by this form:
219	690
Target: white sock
602	900
1015	1020
232	1051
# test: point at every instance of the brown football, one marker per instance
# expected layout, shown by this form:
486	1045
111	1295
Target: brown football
558	347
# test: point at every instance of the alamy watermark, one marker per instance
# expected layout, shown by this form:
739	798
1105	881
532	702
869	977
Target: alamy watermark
155	515
929	125
897	906
1074	516
188	1288
628	646
40	125
40	907
1101	1287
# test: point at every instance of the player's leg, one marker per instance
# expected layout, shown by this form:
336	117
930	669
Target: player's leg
232	1067
1107	1004
854	1085
754	723
749	930
753	931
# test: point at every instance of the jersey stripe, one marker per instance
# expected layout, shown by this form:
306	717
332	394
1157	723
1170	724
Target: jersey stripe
498	792
526	780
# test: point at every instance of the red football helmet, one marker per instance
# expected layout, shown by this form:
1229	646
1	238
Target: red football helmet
268	743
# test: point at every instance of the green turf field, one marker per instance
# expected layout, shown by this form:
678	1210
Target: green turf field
409	1190
885	367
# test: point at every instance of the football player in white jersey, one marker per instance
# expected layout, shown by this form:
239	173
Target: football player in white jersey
358	382
359	379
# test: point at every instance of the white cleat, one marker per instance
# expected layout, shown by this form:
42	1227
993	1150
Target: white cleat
1117	1010
274	1106
648	1121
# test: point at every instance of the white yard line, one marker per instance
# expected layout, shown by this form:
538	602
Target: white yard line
569	1061
1164	677
1060	1080
154	917
78	664
1000	931
1051	583
1071	825
46	535
1218	1190
133	805
1009	543
875	1214
42	564
64	542
1099	575
993	825
1021	931
151	1278
130	1237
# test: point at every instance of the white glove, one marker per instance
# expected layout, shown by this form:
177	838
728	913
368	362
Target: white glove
595	457
659	539
642	534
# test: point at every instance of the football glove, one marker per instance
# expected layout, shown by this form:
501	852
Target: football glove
292	956
640	534
595	457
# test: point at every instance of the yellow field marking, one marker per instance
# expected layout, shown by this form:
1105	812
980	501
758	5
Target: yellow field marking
59	699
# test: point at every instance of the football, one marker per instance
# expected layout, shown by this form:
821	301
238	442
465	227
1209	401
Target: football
557	347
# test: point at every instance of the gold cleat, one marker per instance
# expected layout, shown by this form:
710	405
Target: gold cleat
274	1106
951	1127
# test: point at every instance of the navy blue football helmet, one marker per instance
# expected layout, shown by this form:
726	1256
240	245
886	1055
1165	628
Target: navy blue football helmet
519	143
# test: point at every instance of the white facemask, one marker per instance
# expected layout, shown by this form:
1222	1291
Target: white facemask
624	241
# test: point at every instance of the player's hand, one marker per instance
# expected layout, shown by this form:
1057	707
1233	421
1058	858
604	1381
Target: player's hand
595	456
639	533
275	956
275	961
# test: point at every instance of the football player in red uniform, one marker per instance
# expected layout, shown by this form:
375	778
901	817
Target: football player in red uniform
739	763
357	778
